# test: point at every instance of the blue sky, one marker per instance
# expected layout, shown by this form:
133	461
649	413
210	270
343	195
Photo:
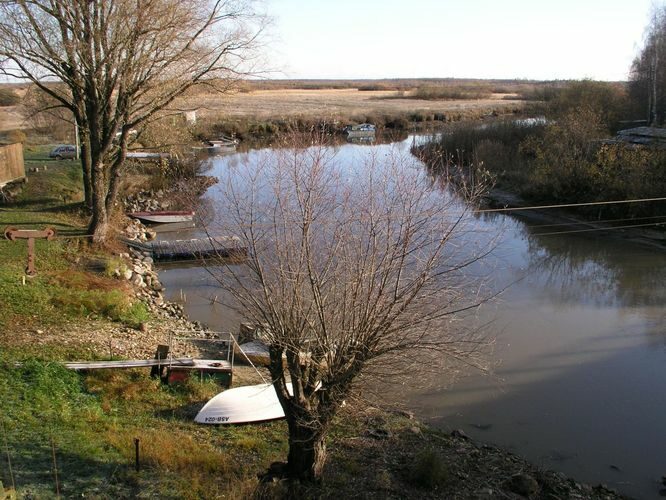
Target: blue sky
555	39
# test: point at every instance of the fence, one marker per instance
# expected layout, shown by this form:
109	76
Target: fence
11	163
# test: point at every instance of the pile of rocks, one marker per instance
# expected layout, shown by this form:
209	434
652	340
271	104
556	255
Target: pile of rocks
147	201
135	230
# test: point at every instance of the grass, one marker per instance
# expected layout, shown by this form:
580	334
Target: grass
91	423
62	290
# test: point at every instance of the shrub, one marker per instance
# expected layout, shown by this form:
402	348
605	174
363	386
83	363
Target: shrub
428	470
9	98
14	136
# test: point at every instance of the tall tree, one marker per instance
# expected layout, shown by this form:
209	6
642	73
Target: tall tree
116	63
350	270
648	71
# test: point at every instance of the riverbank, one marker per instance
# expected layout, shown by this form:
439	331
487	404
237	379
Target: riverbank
562	221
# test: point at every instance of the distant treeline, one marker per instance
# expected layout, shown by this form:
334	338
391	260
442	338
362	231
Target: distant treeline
431	88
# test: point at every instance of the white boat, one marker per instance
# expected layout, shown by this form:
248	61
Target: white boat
219	146
242	405
163	217
145	156
361	130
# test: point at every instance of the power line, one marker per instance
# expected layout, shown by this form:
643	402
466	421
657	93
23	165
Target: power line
567	205
602	221
554	233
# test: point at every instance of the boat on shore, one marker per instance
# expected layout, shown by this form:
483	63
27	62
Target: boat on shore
163	217
242	405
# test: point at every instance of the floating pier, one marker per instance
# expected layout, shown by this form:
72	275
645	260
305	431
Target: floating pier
194	248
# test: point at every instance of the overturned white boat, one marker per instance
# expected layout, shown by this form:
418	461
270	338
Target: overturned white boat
242	405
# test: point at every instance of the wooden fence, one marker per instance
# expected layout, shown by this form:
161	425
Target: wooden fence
11	163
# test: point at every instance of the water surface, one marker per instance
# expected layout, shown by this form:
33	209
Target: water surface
579	384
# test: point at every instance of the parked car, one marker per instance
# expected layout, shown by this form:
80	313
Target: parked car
66	151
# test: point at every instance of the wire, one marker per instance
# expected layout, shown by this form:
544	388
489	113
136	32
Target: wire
602	221
566	205
600	229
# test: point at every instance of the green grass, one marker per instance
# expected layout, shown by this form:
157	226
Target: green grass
92	422
61	291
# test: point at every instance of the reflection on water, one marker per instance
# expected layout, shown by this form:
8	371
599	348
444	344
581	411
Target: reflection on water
580	382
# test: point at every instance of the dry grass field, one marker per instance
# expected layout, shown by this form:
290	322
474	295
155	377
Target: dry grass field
325	103
336	100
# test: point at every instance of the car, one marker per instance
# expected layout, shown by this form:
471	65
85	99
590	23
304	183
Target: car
65	151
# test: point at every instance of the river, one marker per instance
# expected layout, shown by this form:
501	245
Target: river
579	384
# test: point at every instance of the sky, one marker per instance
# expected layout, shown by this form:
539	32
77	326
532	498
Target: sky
506	39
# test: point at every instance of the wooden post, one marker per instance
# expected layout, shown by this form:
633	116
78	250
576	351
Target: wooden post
137	463
13	234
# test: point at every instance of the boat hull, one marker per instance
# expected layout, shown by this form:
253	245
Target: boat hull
163	217
242	405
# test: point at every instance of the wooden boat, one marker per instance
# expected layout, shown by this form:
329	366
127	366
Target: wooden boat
242	405
163	217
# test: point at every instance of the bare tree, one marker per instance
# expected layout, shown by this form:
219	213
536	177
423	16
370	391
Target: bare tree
351	270
116	63
648	72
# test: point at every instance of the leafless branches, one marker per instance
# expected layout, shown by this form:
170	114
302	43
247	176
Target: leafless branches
116	63
350	268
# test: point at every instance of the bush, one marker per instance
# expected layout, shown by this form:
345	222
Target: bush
428	470
14	136
9	98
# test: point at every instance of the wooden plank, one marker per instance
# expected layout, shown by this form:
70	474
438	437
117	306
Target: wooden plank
185	363
11	163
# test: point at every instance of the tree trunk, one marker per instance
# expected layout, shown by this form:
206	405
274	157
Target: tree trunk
307	452
87	177
99	222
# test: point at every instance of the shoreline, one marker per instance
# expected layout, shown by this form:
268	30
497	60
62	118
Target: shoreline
501	199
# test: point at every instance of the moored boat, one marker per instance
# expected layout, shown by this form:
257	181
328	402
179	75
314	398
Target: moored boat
219	146
163	217
361	130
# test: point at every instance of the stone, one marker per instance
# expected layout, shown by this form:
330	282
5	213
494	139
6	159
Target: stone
522	484
127	274
459	433
484	494
137	280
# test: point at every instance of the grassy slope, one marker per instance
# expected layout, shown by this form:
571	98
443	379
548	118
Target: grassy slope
91	422
62	290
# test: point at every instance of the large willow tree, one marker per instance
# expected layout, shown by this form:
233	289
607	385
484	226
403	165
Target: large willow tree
114	64
351	270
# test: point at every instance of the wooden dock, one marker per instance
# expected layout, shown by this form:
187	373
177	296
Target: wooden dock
191	249
179	363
